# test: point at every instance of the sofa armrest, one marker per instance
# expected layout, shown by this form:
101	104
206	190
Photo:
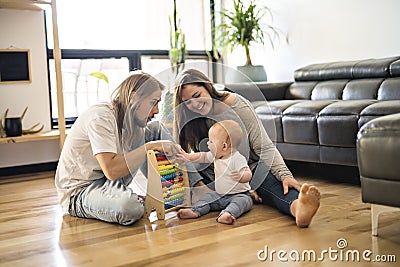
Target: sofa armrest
378	151
378	148
260	90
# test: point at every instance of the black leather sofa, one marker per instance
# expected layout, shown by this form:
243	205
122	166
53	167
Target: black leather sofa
317	117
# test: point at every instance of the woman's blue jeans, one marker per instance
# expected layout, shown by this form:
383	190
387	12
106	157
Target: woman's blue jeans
270	189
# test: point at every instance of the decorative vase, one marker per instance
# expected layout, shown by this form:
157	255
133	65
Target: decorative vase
13	126
247	73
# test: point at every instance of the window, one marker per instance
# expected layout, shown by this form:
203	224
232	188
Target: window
80	88
130	25
118	36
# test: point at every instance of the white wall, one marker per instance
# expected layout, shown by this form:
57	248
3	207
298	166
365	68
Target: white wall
327	30
25	30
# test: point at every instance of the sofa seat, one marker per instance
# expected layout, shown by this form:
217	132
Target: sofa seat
338	122
271	113
303	115
377	110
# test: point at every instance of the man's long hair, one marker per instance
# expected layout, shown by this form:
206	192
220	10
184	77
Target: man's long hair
142	84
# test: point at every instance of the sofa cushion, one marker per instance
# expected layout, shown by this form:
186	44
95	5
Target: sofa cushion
373	68
292	133
329	90
300	90
307	107
348	107
361	89
381	108
302	115
273	126
338	122
390	89
271	112
275	107
369	68
310	72
394	68
339	131
325	71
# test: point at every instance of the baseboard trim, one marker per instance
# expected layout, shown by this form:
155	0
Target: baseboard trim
32	168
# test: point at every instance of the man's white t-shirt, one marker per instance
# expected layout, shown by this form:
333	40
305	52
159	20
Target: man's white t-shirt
95	131
224	183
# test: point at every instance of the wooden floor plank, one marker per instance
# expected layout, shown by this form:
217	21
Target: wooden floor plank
34	232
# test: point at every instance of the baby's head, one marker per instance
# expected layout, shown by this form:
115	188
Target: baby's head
226	135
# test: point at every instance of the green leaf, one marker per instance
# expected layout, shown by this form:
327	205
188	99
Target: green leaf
99	75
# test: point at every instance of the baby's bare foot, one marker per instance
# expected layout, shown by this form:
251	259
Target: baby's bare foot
226	218
308	204
186	214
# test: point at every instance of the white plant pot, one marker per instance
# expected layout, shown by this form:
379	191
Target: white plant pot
246	73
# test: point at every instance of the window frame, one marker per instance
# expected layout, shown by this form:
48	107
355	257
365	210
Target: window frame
134	58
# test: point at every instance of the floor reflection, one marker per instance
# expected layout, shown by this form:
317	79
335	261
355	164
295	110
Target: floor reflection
153	223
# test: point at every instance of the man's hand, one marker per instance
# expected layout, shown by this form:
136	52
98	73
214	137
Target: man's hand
182	156
169	148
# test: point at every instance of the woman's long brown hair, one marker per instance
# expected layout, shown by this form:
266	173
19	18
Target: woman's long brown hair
189	127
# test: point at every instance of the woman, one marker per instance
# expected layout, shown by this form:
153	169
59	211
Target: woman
104	149
198	105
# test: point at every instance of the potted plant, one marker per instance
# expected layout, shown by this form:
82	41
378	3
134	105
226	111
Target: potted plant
177	52
242	27
177	55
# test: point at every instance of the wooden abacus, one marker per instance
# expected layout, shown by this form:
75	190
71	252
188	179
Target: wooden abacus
167	185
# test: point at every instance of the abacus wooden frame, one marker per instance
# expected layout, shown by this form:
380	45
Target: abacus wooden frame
154	196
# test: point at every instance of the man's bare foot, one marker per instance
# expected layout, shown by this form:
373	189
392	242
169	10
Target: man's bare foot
187	214
226	218
307	205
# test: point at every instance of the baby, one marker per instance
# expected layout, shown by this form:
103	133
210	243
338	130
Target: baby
232	175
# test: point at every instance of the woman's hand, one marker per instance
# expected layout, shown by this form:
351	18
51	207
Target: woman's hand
288	183
256	198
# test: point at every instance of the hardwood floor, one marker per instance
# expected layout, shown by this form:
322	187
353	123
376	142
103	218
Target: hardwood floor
33	232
